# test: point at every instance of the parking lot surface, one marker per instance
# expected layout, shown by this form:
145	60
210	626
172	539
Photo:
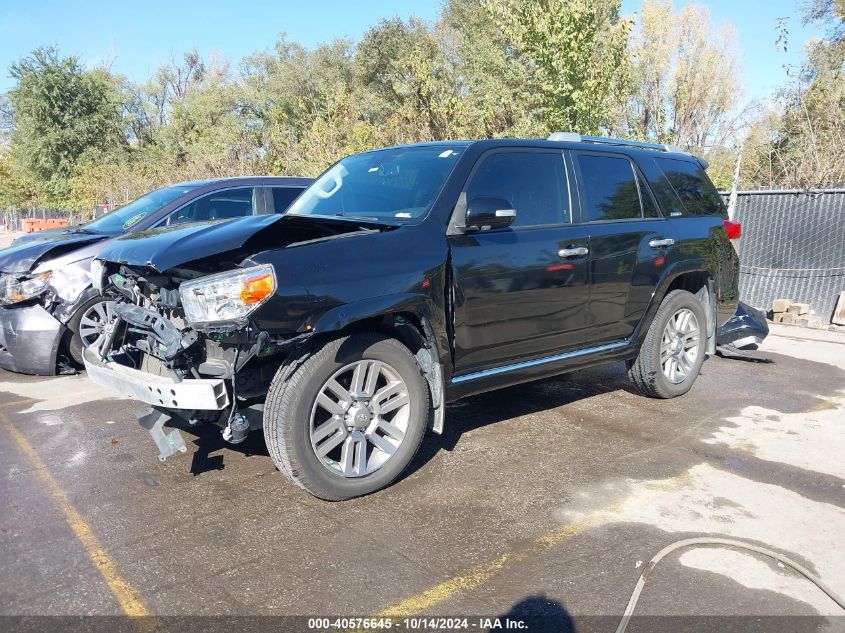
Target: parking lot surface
549	497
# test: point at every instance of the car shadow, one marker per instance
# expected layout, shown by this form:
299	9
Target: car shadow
208	439
462	416
513	402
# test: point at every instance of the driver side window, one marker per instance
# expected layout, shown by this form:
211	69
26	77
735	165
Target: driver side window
533	182
217	205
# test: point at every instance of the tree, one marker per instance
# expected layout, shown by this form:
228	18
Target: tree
799	142
686	84
498	86
59	112
408	82
579	50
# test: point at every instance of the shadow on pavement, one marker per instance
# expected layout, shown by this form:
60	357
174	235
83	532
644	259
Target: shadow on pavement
538	614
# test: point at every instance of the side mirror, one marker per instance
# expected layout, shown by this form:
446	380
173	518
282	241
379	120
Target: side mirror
489	213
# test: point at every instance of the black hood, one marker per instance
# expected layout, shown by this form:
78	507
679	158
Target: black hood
169	247
27	253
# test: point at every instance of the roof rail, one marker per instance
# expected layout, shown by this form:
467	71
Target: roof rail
574	137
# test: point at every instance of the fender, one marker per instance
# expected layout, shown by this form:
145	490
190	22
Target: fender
345	315
64	311
430	356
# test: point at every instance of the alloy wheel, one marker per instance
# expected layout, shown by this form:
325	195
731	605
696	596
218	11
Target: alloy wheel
92	324
680	346
359	418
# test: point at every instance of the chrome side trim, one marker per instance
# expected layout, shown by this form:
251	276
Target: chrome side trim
538	361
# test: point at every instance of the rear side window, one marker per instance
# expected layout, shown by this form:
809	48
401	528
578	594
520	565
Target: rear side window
609	188
687	189
283	196
533	182
217	205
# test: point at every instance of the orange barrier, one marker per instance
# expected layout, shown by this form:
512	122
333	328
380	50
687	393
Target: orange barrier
31	225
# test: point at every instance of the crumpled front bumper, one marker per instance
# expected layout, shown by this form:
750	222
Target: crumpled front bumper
29	340
158	391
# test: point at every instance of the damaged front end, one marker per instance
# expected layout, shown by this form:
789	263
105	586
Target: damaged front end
34	311
183	343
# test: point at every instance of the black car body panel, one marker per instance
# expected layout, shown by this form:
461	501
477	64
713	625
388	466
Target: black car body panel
168	247
32	333
495	307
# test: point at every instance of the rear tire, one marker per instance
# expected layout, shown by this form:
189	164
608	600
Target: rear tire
671	355
346	419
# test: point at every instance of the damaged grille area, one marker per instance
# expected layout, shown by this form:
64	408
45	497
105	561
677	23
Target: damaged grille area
147	330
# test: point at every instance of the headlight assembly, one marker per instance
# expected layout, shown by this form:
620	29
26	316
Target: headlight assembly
227	296
16	289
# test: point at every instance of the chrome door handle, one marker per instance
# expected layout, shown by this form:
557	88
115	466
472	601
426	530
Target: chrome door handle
663	241
573	252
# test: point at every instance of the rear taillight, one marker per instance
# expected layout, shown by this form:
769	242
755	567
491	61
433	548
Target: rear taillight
733	229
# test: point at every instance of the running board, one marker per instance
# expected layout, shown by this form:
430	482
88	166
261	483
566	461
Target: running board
504	369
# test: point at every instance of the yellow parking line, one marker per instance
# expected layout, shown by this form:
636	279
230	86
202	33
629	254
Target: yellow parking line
126	596
482	574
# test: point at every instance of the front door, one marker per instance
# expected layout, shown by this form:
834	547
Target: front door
520	292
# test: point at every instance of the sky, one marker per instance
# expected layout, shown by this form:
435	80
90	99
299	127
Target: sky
135	38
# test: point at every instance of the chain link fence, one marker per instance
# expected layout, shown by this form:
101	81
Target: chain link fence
792	247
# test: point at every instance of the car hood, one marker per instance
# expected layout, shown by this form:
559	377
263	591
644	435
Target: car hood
26	254
170	247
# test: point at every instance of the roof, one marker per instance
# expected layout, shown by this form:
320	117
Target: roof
566	140
293	181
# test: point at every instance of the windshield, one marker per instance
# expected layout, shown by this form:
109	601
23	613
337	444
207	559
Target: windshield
124	218
395	185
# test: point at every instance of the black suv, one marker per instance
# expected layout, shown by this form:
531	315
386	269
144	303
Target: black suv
408	277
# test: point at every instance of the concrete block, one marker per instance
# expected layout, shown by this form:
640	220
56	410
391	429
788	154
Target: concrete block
777	317
839	311
799	308
811	321
788	318
780	305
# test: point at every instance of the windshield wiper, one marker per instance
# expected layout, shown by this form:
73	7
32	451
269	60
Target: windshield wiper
82	230
371	218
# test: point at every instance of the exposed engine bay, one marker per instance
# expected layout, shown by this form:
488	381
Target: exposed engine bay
147	331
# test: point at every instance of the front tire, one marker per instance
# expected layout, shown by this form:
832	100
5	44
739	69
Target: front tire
671	355
86	327
348	418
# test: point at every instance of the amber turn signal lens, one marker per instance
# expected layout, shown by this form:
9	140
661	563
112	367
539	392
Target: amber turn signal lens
256	289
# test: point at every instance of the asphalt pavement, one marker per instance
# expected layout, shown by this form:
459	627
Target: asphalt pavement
548	498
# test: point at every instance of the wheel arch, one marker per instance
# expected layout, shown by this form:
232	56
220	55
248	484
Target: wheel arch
406	318
697	281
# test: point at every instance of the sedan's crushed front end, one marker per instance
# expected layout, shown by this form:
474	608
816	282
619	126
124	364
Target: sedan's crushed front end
34	311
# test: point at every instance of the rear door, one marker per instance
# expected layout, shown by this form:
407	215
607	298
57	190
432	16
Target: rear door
628	242
519	292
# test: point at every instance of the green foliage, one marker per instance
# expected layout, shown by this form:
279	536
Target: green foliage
71	137
686	86
579	50
59	112
800	143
